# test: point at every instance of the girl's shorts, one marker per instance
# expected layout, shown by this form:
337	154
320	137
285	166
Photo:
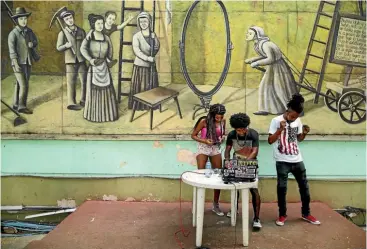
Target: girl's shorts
209	150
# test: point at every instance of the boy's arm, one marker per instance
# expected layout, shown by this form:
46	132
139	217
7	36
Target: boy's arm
274	131
255	146
254	152
229	144
303	130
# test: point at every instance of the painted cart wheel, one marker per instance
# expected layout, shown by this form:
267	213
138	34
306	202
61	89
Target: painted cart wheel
352	107
331	100
183	60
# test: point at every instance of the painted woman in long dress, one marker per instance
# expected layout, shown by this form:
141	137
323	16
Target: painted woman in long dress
144	75
278	84
100	104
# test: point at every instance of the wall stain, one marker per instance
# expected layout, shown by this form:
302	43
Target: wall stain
109	198
157	144
64	203
130	199
186	156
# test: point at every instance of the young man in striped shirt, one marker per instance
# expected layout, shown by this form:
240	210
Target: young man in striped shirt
285	132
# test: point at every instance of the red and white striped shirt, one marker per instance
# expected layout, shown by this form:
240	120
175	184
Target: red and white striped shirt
286	148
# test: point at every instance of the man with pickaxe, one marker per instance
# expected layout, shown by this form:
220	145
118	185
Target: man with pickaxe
68	41
22	42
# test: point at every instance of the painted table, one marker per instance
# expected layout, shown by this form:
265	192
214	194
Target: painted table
153	98
200	183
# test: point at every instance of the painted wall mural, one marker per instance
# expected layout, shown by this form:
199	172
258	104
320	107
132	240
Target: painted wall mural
154	67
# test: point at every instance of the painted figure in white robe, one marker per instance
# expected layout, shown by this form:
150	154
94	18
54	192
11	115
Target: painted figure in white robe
278	84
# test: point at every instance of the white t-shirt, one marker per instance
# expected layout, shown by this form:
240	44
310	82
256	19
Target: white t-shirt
286	149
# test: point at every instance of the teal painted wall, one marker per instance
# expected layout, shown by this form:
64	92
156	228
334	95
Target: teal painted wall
167	159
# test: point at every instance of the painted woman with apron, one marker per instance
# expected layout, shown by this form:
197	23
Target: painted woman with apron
100	104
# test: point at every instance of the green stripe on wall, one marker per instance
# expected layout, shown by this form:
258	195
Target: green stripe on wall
166	159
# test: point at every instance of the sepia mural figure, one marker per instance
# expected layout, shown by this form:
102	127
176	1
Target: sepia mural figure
110	26
22	42
145	47
101	104
278	84
69	41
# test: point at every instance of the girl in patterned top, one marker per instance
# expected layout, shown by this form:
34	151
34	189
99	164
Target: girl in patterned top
212	130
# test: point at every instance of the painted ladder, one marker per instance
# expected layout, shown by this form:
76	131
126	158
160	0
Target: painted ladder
124	43
326	44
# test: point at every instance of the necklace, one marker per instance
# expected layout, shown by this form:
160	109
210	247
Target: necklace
243	142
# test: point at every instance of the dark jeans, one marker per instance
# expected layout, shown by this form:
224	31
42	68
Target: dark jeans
299	172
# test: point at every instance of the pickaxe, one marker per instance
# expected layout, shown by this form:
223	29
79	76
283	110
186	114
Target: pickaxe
56	17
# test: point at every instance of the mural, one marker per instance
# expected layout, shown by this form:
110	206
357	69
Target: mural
69	41
22	43
278	84
153	67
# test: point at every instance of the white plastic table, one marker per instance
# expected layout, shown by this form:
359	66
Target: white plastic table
200	183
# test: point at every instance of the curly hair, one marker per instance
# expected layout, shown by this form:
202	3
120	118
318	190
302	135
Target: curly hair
239	120
296	103
216	109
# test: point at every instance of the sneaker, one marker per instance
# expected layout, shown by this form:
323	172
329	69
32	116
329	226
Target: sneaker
229	214
311	219
280	221
217	210
256	223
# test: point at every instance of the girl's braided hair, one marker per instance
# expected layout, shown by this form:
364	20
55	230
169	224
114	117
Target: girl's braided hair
210	121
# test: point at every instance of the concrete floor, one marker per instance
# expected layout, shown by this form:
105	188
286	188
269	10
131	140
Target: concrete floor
47	98
18	242
136	225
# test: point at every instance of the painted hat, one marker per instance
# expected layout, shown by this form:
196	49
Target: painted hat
144	15
66	13
20	11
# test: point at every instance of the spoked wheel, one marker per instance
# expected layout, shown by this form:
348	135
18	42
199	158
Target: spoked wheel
352	107
331	101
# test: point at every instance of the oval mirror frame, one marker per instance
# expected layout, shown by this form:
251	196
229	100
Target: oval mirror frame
229	48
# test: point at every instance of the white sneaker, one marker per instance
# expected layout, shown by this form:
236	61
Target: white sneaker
256	224
217	210
229	214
